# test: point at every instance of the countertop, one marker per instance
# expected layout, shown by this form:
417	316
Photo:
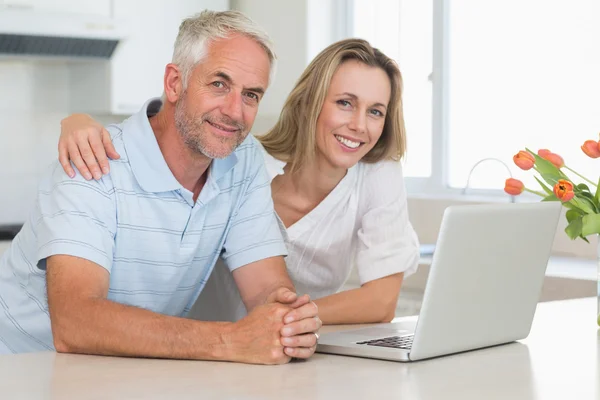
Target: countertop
559	360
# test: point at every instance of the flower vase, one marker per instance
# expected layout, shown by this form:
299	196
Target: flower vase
598	283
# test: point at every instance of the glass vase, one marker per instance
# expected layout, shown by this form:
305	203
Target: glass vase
598	283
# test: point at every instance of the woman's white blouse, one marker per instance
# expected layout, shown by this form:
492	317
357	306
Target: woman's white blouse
363	223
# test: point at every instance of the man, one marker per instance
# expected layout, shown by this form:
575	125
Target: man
123	258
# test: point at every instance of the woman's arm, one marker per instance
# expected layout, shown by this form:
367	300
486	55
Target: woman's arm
86	143
387	250
375	301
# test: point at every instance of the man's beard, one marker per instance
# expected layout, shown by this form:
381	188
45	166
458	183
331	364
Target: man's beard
197	139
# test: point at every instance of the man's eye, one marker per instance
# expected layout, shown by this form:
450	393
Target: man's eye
253	96
218	84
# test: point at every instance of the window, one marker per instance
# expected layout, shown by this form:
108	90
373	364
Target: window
507	74
522	73
402	30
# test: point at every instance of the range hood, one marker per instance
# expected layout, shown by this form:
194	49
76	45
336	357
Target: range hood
29	33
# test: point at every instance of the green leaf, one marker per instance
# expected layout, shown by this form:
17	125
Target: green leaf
597	195
550	198
552	179
582	204
572	215
546	188
586	195
545	166
582	187
585	239
591	224
573	230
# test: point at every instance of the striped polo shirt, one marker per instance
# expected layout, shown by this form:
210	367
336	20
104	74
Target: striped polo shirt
142	226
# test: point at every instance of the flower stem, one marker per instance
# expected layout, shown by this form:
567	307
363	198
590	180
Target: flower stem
579	175
535	192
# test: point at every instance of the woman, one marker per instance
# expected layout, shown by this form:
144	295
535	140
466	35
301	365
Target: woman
337	185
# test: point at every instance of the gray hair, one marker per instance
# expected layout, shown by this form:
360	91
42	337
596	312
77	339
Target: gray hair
196	33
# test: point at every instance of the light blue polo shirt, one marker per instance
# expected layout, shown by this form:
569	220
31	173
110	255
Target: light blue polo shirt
142	226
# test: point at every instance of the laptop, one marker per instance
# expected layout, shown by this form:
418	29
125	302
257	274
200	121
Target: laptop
483	287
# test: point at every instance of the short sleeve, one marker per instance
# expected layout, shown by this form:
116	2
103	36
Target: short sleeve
75	217
387	242
255	232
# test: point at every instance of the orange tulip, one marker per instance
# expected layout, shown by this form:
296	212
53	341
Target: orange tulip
514	187
591	148
543	152
552	157
524	160
564	190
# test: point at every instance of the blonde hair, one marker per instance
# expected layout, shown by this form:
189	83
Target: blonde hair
293	138
196	33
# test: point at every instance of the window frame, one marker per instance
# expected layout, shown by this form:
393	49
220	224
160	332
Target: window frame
437	184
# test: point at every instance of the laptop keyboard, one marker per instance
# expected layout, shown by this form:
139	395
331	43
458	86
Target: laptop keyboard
395	342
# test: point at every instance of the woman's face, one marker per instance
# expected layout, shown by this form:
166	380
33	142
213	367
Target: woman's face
353	114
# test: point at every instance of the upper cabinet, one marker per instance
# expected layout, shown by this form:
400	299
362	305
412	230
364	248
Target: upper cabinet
86	7
136	70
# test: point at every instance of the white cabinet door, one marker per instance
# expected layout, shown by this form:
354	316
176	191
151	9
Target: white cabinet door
138	65
86	7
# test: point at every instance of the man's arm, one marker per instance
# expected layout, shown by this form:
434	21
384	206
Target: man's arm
253	251
266	282
260	281
85	321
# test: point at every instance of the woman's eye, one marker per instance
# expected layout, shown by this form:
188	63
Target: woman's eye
344	103
377	113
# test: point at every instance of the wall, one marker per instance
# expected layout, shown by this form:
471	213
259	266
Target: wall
299	29
34	98
426	216
285	21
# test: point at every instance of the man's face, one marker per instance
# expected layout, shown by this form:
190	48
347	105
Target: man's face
216	111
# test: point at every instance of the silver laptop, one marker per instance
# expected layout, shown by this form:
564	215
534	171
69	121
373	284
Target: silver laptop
483	286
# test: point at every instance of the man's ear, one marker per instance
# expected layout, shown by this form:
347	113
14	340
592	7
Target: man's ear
173	84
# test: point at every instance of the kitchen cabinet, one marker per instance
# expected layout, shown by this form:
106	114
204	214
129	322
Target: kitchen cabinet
87	7
136	69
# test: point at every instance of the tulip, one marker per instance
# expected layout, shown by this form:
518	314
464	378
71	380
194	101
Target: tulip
591	148
563	190
552	157
514	187
544	152
524	160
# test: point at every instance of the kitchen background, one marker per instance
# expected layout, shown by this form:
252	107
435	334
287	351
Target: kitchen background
37	91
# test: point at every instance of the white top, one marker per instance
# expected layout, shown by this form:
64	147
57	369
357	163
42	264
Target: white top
363	223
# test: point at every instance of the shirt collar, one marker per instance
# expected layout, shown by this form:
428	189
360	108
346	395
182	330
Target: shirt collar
146	159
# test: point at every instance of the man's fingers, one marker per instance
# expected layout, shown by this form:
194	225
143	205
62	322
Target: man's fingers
305	325
300	352
283	296
63	158
108	145
305	340
75	156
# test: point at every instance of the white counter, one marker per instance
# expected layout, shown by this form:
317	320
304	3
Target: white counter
559	360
